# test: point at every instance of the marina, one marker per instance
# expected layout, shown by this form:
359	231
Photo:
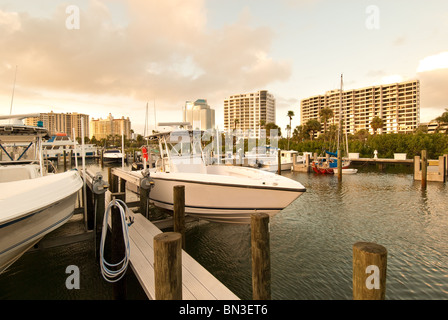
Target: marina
311	243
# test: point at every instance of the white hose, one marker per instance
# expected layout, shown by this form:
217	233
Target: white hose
109	274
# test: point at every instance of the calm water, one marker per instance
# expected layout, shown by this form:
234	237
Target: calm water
311	245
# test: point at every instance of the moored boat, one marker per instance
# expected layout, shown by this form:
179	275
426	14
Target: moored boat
219	193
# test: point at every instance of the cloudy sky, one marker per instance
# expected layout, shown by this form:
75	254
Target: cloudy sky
115	56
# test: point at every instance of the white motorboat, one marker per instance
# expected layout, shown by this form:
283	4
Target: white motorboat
286	161
33	202
55	146
219	193
112	155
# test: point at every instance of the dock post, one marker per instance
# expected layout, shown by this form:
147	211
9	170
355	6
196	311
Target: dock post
90	208
279	160
307	163
168	266
445	160
117	246
339	165
179	211
369	271
71	159
65	160
424	169
261	260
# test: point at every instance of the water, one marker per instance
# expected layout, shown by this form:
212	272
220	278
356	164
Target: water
311	245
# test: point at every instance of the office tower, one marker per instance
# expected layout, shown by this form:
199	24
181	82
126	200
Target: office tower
199	115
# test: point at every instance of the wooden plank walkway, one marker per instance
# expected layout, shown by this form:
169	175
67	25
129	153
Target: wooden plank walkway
198	283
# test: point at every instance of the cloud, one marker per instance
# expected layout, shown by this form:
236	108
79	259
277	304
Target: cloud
434	62
432	72
164	50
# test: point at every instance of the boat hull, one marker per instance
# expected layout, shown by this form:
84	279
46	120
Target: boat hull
31	209
229	202
19	235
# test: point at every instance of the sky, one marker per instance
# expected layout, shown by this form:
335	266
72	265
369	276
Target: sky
115	56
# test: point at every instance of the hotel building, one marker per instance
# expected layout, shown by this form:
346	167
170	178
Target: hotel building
246	111
62	123
102	128
398	105
199	115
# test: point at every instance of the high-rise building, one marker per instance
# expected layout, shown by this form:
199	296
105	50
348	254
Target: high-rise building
62	123
398	105
199	115
249	111
102	128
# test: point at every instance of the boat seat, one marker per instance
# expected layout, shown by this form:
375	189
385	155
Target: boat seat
15	173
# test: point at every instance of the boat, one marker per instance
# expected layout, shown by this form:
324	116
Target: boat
33	201
329	164
112	155
57	144
214	192
286	160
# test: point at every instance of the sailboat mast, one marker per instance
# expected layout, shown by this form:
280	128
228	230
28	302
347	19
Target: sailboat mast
13	89
340	115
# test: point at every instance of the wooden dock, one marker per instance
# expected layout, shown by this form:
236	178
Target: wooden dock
197	282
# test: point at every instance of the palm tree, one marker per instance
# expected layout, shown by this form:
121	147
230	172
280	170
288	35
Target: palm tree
313	126
235	122
376	123
290	115
325	115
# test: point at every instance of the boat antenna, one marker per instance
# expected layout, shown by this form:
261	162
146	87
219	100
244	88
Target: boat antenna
13	89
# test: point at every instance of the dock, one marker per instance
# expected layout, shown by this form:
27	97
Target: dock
197	282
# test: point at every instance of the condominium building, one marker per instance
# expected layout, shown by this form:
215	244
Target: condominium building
398	105
249	111
62	123
199	115
102	128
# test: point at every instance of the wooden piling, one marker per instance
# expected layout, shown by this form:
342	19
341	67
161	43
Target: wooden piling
168	266
279	160
339	165
261	260
179	211
424	169
369	271
65	160
90	209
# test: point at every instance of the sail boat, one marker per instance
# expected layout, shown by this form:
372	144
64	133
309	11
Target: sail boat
329	165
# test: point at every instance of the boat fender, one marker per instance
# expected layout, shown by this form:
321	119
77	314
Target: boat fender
99	186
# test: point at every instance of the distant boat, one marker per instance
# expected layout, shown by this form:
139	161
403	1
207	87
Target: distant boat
286	161
329	165
55	146
112	155
33	202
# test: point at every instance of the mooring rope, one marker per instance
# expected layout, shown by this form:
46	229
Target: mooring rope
120	267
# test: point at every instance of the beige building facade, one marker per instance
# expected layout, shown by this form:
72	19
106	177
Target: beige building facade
62	123
398	105
248	111
102	128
